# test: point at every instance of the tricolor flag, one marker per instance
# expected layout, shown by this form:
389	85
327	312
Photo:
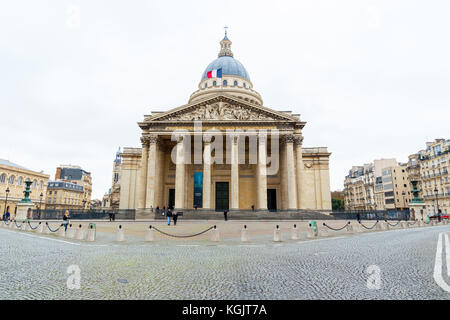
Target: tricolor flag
215	73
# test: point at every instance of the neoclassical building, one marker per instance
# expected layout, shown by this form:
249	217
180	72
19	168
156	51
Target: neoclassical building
224	150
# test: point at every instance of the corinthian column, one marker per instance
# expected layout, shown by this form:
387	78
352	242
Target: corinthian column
234	173
142	181
261	173
207	173
151	172
298	139
179	175
291	174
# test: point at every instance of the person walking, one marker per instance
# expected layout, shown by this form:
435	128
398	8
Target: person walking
7	215
157	210
175	217
358	217
163	211
225	215
66	219
110	216
169	215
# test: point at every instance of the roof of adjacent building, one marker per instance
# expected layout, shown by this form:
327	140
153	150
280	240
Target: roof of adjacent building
12	164
64	185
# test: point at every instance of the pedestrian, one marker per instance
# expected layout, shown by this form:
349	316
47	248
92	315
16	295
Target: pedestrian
110	216
175	217
169	215
358	217
3	216
7	215
163	211
225	215
157	210
66	219
114	216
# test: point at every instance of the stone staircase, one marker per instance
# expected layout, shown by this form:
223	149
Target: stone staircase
253	215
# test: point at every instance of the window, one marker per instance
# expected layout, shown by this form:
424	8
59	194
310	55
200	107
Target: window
235	83
244	84
19	181
225	83
3	178
11	180
40	184
206	84
214	83
34	184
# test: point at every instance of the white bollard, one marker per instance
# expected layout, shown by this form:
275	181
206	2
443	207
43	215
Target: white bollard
61	231
383	226
350	228
311	233
90	233
11	224
215	234
277	234
46	228
404	224
421	224
79	234
323	233
70	232
359	228
40	228
295	233
149	234
378	226
25	226
244	234
433	222
120	236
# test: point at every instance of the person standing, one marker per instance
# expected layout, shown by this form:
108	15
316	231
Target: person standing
163	211
169	215
175	217
66	219
7	215
225	215
157	210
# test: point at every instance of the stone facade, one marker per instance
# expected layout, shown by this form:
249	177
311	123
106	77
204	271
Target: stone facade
224	151
13	177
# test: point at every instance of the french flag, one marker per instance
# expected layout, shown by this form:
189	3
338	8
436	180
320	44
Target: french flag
215	73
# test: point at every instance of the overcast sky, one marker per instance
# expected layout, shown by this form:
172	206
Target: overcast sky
371	78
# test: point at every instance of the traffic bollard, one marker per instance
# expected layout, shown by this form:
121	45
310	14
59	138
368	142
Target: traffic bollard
61	231
295	233
149	234
215	234
277	234
120	236
79	234
91	232
244	234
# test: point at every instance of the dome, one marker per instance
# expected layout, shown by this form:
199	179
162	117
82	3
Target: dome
230	67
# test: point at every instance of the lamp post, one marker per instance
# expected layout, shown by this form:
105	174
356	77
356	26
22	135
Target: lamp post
437	202
40	204
6	199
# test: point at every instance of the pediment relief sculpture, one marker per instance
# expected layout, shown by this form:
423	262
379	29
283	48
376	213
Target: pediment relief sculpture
216	111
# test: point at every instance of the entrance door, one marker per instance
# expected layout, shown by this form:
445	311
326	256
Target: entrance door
272	199
171	198
222	196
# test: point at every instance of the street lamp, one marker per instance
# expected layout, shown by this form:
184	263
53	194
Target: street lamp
6	199
437	202
40	204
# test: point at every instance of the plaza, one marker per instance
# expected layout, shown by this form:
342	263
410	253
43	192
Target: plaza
332	267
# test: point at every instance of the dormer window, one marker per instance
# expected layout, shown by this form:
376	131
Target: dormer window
235	83
225	83
214	83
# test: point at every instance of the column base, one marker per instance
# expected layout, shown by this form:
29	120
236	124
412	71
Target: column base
144	214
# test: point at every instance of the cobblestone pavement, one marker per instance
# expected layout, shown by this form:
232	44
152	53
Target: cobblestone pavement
34	266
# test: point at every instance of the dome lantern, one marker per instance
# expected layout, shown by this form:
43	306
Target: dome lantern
225	45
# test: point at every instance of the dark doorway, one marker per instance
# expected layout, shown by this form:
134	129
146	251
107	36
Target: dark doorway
222	196
171	198
272	199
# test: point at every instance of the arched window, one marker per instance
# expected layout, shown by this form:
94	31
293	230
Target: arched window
214	83
225	83
244	84
34	184
11	180
19	181
41	184
3	178
235	83
206	84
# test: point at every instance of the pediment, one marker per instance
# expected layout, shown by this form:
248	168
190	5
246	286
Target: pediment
221	108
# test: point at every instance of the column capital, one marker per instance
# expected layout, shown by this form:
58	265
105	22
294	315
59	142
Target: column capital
298	139
262	138
153	138
288	138
144	141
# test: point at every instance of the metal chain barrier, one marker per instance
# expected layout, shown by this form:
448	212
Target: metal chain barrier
48	226
338	228
392	225
15	222
368	227
183	236
411	224
31	227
